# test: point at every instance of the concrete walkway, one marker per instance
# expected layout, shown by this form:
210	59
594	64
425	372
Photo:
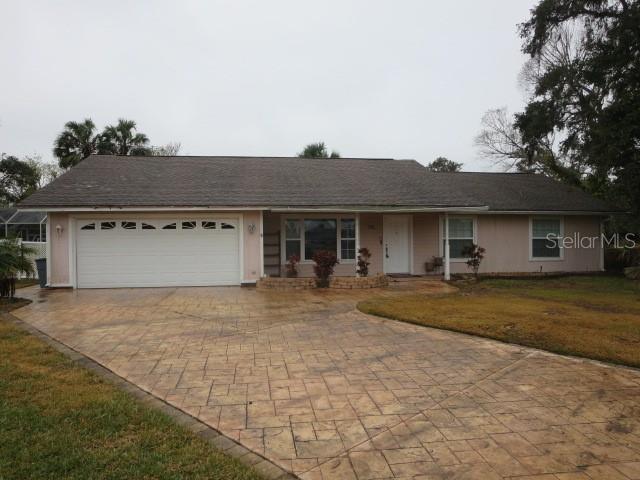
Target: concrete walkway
327	392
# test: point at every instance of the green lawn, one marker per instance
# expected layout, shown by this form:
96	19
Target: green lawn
590	316
58	420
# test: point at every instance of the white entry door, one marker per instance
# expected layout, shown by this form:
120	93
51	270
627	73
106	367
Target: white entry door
152	252
397	245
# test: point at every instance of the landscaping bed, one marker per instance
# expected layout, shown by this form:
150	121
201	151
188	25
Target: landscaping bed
305	283
590	316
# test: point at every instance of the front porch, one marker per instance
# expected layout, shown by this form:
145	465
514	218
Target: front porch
400	243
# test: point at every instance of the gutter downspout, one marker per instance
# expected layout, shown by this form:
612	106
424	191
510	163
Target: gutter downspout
447	265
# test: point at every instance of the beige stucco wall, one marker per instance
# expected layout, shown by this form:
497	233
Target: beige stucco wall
251	248
58	264
505	238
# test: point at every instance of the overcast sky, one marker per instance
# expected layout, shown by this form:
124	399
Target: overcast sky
400	79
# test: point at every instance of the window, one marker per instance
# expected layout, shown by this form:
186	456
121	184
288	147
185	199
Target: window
148	226
107	225
292	242
226	226
170	226
88	226
543	233
190	225
128	225
461	236
319	234
348	239
208	225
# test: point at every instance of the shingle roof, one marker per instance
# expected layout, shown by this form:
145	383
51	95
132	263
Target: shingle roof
117	181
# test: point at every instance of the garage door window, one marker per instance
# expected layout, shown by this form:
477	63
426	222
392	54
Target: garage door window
129	225
227	226
190	225
170	226
107	225
208	225
148	226
88	226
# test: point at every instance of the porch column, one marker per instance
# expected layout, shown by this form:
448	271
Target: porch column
447	265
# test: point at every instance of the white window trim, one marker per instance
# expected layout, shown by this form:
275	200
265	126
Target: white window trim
312	216
474	218
545	259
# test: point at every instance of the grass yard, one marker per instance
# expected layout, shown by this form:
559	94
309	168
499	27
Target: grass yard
596	317
58	420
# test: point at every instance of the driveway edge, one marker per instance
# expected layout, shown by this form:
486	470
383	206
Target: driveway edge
212	436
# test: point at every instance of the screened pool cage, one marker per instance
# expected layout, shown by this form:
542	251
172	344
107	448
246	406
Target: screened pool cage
28	226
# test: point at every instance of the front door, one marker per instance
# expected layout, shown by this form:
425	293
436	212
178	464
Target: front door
396	243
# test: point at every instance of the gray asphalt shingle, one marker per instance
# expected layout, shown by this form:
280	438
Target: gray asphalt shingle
116	181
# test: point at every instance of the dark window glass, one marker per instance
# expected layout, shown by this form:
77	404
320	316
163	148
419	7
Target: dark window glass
209	225
148	226
128	225
292	248
189	225
319	235
226	226
107	225
543	248
88	226
457	247
169	226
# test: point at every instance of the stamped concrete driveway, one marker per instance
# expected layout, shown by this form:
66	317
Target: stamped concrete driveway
328	392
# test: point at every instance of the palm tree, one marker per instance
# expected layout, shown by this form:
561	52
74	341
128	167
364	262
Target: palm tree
14	259
317	150
122	139
77	141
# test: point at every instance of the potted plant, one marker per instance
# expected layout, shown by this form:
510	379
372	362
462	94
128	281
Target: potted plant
323	268
292	266
363	262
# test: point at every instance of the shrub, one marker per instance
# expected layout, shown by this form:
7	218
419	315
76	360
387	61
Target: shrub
475	254
363	262
292	266
13	260
632	272
325	261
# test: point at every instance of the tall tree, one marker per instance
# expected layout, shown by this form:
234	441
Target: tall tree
77	141
18	179
443	164
123	139
317	150
45	172
587	92
171	149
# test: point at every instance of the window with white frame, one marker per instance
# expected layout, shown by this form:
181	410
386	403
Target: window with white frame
461	236
348	239
303	237
292	239
545	238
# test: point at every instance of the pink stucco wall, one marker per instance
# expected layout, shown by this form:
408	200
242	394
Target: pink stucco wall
58	264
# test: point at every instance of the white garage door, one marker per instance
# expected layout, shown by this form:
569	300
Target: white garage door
145	252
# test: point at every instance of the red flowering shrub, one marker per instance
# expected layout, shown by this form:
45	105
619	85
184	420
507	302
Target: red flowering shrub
325	261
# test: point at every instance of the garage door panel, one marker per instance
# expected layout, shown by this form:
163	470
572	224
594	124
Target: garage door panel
132	257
